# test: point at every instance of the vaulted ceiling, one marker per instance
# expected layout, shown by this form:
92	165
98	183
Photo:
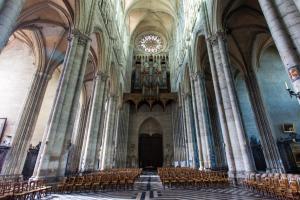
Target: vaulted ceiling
150	16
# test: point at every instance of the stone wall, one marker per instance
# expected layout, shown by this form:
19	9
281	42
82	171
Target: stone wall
17	68
16	72
281	108
46	109
136	120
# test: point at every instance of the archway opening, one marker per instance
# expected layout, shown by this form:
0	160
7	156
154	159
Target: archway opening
150	145
150	151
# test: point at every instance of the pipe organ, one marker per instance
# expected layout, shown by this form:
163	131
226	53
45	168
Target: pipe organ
150	74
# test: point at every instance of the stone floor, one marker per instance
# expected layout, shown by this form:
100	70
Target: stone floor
149	187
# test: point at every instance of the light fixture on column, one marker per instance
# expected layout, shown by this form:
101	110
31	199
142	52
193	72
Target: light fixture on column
291	92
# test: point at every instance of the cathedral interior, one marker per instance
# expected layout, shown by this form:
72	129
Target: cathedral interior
150	99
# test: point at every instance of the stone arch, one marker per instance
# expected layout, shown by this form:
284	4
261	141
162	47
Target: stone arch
16	72
142	104
150	144
99	45
200	53
187	81
157	106
38	8
150	126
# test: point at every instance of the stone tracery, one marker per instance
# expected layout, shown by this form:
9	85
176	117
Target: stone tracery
150	43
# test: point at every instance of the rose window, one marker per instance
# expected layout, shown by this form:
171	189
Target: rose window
150	43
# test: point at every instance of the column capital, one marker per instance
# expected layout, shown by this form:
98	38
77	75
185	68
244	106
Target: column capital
83	39
220	34
212	39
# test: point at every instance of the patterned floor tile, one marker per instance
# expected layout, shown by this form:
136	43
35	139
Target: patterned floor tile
149	187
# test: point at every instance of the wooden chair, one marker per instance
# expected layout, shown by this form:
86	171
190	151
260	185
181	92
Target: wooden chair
293	191
20	191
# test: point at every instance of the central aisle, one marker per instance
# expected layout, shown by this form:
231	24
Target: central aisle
149	187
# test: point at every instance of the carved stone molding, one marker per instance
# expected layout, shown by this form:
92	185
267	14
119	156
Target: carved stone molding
83	39
213	40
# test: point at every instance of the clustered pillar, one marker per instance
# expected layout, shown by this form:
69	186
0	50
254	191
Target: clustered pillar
108	143
201	147
53	155
189	131
283	19
14	163
94	133
204	131
9	13
237	148
76	149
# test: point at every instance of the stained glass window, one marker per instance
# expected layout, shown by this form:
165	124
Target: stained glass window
150	43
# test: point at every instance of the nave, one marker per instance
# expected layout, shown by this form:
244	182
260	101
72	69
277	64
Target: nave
149	186
92	87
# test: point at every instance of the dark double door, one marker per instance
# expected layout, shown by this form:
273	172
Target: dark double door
150	151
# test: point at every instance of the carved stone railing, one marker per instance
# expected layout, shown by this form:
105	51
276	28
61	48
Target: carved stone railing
162	98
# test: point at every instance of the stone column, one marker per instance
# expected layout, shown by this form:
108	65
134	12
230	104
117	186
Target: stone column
2	4
126	118
52	158
281	34
241	135
188	128
211	137
93	131
268	142
101	136
116	136
182	134
196	120
107	144
75	152
229	116
204	129
224	127
84	142
290	16
221	111
122	140
118	144
9	13
16	157
176	130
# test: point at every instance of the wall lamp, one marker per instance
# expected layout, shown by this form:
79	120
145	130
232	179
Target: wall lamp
291	92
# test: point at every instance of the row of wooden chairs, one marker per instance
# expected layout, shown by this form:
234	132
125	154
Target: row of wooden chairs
279	186
187	177
115	179
22	190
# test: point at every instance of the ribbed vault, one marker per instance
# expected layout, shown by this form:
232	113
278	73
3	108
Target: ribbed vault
144	16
